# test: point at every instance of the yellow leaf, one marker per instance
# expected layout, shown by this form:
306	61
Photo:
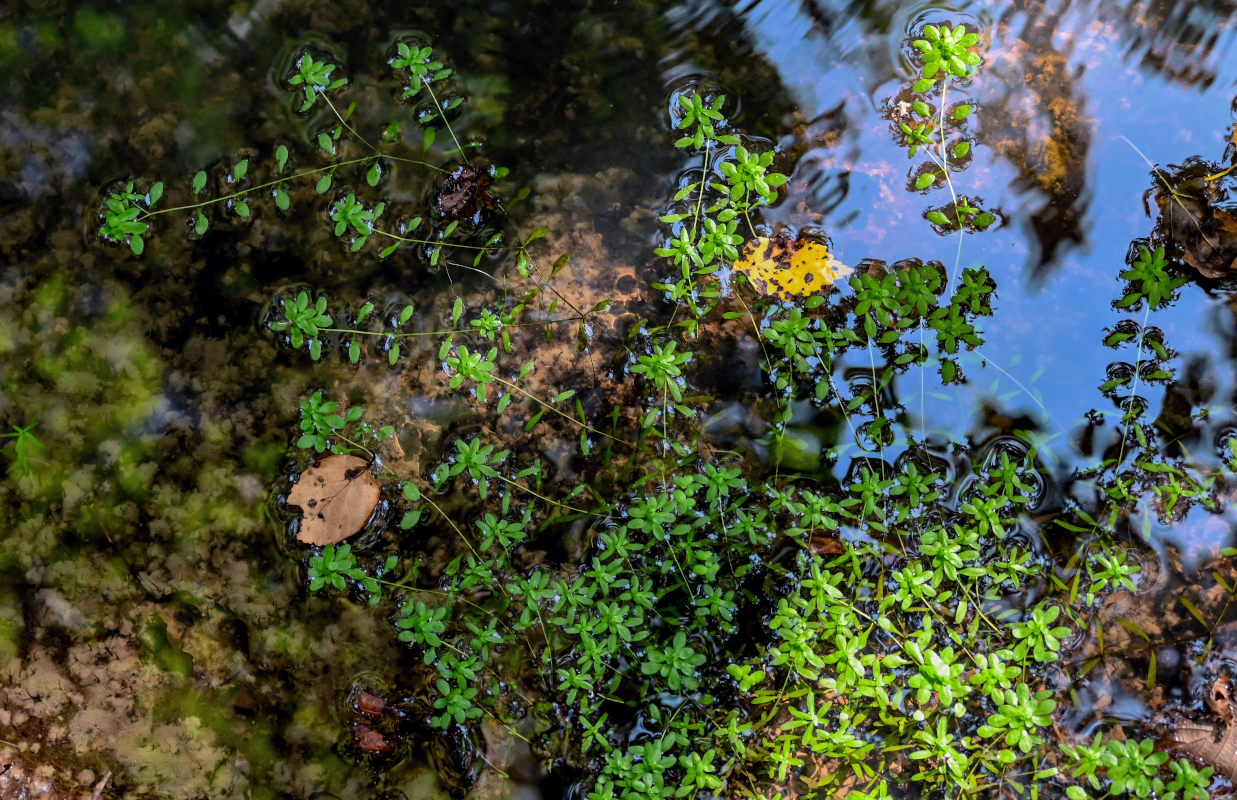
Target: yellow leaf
1220	174
786	269
1230	169
337	497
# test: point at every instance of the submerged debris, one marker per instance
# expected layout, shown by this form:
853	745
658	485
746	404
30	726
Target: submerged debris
21	780
1199	215
462	197
370	741
1210	743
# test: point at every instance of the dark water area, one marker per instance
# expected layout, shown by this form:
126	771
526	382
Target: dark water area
155	621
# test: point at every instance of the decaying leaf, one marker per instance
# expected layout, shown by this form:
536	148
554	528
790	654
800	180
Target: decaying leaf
785	269
336	497
1213	745
1192	212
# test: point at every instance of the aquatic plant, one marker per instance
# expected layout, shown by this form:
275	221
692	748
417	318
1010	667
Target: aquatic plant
23	446
127	215
1149	279
706	623
946	54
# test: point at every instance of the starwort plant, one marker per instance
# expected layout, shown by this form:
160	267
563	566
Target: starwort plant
336	567
1039	636
945	54
128	215
1133	767
946	51
123	213
1019	718
1190	781
1149	279
314	78
676	663
324	428
419	624
1109	570
348	213
420	65
303	321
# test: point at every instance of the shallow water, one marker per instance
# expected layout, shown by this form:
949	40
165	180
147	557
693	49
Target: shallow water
154	620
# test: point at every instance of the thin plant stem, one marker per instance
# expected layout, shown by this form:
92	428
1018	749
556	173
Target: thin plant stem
442	112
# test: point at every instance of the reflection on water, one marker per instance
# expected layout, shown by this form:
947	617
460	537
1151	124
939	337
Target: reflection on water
1062	88
145	557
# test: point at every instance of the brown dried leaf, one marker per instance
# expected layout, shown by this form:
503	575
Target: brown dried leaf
1213	745
336	497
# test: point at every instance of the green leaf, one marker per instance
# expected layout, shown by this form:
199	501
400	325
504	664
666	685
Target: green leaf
1194	611
281	157
199	181
925	180
406	314
242	208
961	149
389	250
373	176
201	225
136	244
963	111
393	355
921	108
983	219
354	351
922	86
241	169
939	219
324	141
156	192
323	184
315	349
281	200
